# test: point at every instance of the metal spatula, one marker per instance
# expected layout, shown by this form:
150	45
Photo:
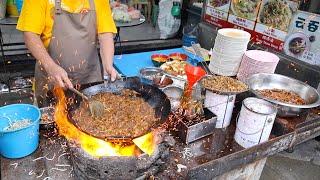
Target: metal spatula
198	53
96	107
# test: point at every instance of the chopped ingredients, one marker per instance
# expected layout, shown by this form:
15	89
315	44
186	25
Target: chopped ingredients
126	115
283	96
176	67
18	125
178	56
160	59
223	84
277	14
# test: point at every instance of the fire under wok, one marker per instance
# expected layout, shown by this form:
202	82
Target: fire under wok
158	101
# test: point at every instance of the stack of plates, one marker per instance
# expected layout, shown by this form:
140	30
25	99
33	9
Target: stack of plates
230	45
256	61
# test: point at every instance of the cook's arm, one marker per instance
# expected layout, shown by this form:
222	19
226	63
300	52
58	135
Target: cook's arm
107	53
56	74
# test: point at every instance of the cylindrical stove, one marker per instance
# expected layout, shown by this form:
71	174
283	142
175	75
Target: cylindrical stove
117	167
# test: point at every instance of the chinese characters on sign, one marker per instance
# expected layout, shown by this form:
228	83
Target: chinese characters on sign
217	12
272	23
312	24
302	41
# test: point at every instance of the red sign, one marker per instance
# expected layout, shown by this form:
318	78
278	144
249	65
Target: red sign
216	22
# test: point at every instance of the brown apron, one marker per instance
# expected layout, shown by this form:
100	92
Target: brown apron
73	46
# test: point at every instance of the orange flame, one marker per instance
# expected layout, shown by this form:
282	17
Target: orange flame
94	146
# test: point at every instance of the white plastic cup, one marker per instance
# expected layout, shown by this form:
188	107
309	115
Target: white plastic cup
256	61
234	34
222	72
255	122
262	56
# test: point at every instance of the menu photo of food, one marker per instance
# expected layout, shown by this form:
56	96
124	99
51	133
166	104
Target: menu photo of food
222	5
302	39
246	9
275	14
296	44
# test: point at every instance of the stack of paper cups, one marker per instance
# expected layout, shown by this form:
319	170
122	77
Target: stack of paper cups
230	45
256	61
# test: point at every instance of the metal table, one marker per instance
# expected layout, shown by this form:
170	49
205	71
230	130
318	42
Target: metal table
120	25
213	156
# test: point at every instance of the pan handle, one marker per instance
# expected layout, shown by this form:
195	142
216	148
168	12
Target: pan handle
107	78
79	93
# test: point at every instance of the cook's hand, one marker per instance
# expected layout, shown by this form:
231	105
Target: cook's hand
112	72
59	76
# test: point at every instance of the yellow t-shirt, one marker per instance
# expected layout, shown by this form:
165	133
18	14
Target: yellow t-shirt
37	16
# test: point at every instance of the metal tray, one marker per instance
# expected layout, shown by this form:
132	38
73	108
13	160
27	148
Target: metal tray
192	133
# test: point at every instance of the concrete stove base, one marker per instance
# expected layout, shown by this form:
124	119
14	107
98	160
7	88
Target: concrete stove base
116	167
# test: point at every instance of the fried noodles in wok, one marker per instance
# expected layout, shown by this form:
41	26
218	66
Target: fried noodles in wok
126	115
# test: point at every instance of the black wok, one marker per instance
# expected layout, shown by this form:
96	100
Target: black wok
152	95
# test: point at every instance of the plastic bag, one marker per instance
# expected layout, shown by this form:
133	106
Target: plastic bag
3	8
14	7
191	30
168	25
190	34
121	16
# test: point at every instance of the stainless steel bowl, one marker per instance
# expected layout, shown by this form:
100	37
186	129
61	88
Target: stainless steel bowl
276	81
147	75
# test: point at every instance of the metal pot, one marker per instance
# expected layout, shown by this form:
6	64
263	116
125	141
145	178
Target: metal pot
276	81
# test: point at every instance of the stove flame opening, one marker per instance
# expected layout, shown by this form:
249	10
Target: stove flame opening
94	146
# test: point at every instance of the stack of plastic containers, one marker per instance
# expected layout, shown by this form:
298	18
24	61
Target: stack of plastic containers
230	45
256	61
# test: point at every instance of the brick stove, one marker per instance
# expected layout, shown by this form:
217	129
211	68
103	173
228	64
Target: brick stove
142	166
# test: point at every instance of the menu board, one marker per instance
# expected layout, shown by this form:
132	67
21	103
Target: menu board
273	22
243	13
303	40
217	12
276	24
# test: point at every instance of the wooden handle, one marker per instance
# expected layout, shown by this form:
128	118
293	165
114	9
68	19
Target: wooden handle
79	93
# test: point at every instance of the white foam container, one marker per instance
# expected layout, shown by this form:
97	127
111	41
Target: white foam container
227	56
255	122
222	106
229	50
256	61
224	69
262	56
235	35
230	45
222	72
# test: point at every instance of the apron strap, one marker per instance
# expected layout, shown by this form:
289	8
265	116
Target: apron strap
58	6
92	5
